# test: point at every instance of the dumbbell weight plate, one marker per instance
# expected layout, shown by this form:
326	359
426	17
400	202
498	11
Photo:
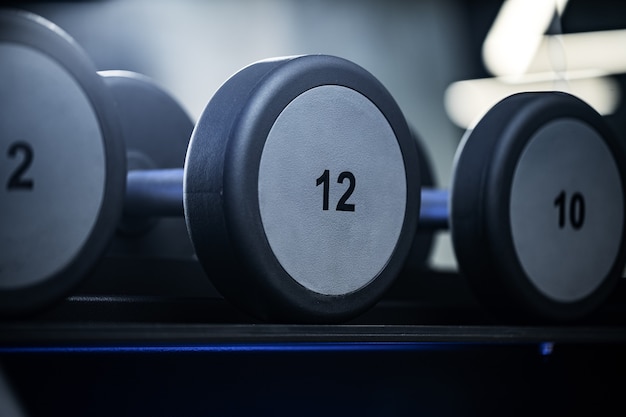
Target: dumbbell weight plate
302	174
423	242
61	186
538	207
156	132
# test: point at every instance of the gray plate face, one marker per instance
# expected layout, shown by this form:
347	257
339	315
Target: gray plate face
51	147
327	140
567	210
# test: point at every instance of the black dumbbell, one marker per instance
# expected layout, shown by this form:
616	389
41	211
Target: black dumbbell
536	208
300	183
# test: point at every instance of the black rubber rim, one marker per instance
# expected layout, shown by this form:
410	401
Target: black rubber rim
424	239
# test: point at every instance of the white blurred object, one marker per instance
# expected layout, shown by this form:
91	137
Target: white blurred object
522	58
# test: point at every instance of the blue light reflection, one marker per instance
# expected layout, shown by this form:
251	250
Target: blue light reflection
546	348
245	347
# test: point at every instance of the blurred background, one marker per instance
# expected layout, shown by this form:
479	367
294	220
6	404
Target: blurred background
444	61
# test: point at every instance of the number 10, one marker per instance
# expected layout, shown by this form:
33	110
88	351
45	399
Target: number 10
576	209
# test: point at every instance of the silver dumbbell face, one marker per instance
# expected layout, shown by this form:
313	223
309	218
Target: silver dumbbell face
332	190
567	189
57	186
43	152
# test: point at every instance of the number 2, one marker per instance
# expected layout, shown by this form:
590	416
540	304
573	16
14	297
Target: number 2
17	180
342	205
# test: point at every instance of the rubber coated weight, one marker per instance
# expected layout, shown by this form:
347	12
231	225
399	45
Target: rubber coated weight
423	242
538	207
302	189
156	131
61	182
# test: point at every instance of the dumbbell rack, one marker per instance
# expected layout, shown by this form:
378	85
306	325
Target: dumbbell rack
428	346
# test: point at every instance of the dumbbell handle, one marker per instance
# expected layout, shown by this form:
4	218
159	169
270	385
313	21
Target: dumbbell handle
154	193
159	193
434	211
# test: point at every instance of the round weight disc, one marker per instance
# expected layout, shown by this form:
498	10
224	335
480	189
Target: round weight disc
317	183
423	242
156	131
62	182
155	126
538	207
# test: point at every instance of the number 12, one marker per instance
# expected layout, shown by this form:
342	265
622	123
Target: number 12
324	180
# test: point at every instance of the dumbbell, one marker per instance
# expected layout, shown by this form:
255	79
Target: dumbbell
536	208
300	184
